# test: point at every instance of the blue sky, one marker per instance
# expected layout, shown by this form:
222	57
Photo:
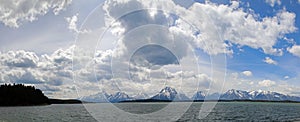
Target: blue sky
262	41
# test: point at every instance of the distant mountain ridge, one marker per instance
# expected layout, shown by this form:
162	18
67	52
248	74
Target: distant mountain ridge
170	94
119	96
100	97
103	97
199	95
257	95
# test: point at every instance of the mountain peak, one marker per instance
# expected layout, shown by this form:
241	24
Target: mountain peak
168	90
199	95
235	94
119	96
169	93
98	97
234	91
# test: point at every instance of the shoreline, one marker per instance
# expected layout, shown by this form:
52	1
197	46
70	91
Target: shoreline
74	101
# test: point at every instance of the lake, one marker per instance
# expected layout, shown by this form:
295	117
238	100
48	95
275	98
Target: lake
223	111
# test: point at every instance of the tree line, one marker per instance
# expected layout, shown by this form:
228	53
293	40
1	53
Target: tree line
21	95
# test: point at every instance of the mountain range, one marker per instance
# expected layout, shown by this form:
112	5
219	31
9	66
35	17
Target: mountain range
257	95
170	94
103	97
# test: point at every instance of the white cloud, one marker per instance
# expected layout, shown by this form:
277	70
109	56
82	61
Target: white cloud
240	27
243	29
247	73
286	77
19	58
235	4
267	83
268	60
72	21
13	13
231	23
144	27
137	27
43	71
273	2
295	50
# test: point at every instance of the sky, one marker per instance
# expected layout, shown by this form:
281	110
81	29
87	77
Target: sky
75	48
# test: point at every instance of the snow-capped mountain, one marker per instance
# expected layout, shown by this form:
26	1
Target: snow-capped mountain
199	96
235	94
169	93
104	97
99	98
267	95
119	96
256	95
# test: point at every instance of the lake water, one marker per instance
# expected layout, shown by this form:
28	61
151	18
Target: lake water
222	112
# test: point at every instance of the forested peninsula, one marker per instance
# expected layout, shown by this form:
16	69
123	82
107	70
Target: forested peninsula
21	95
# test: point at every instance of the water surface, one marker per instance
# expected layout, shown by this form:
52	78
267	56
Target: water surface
224	111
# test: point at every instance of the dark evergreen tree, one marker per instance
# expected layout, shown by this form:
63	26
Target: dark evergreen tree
21	95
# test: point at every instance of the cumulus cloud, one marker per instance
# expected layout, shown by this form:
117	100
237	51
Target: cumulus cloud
295	50
268	60
267	83
13	13
247	73
273	2
229	22
42	70
19	58
135	25
244	29
147	44
72	21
